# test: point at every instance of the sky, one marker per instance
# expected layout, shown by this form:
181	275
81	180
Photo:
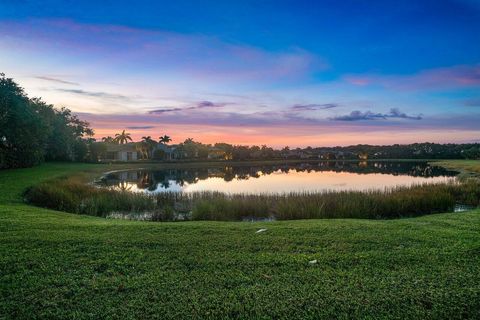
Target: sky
296	73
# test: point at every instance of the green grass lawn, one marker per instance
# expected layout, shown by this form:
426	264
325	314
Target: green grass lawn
59	265
467	168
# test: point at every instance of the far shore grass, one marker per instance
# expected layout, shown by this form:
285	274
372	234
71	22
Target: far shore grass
56	265
467	168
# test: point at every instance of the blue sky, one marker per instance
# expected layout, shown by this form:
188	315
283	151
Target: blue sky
276	72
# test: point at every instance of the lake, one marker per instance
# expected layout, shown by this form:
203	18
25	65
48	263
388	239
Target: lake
278	178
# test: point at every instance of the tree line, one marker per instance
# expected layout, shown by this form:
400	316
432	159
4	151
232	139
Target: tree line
191	149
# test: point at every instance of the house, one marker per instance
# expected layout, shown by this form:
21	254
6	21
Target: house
327	156
122	152
363	156
165	152
218	154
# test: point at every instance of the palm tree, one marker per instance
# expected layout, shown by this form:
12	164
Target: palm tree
108	139
142	149
165	139
150	145
146	139
190	147
123	137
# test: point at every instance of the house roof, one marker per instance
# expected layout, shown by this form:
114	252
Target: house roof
122	147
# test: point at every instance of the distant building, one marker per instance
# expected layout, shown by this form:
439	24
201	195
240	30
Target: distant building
218	154
165	152
122	152
363	156
327	156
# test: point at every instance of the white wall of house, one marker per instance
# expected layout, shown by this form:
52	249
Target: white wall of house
127	156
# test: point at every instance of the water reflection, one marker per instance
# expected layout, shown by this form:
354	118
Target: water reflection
316	176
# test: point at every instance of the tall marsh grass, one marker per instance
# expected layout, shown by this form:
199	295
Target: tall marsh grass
73	195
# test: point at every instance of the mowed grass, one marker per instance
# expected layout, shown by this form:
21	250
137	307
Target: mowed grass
60	265
467	168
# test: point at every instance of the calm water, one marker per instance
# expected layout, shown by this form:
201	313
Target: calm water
317	176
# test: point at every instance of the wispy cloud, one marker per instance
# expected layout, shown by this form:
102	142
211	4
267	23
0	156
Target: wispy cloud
369	115
198	105
460	76
164	110
140	127
396	113
56	80
313	106
99	94
208	104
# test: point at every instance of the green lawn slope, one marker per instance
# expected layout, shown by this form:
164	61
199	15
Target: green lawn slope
55	265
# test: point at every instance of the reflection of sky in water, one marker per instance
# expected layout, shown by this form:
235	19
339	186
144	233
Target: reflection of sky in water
296	181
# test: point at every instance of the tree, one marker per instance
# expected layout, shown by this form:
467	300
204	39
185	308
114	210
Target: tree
227	148
70	135
472	153
149	144
142	148
165	139
108	139
202	150
190	148
285	152
32	131
241	153
267	152
23	132
96	151
122	138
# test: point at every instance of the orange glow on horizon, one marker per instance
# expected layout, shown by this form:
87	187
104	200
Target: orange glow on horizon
279	137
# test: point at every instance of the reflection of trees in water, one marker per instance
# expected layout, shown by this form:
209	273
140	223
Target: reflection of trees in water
151	180
229	174
145	180
122	186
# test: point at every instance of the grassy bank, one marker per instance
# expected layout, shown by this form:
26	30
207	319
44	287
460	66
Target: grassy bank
467	168
59	265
